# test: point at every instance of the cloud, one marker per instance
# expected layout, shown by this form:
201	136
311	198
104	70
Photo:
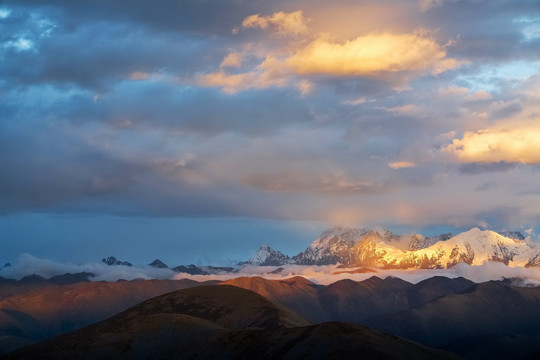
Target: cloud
354	102
371	55
280	23
233	59
478	168
407	110
425	5
510	145
323	275
233	83
305	182
401	164
460	91
28	264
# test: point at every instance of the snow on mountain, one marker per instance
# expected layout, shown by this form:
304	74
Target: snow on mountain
360	247
512	235
420	242
533	257
333	246
266	256
473	247
381	248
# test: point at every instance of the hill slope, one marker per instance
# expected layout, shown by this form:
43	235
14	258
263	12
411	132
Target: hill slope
31	314
222	322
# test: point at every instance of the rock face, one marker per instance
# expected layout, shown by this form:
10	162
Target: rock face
419	242
266	256
332	247
512	235
111	261
534	259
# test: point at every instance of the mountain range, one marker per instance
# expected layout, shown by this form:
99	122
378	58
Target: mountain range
225	322
382	249
385	250
491	320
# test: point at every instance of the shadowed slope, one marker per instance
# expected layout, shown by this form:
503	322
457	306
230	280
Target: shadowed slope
296	293
225	305
485	309
436	287
348	300
39	313
222	322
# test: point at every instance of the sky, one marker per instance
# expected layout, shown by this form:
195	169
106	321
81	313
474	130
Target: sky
196	130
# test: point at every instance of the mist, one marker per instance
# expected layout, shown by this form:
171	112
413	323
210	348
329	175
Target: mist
28	264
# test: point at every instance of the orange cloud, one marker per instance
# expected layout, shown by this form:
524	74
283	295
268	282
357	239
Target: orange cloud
239	82
371	55
232	60
401	164
281	23
291	60
139	75
520	145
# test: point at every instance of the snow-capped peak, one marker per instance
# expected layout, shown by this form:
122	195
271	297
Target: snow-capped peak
266	256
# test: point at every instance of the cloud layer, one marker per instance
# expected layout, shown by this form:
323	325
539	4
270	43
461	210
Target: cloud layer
324	275
403	114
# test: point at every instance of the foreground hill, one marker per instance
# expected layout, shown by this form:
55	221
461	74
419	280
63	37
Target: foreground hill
40	310
222	322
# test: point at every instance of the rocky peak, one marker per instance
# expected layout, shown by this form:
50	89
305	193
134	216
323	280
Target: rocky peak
158	264
112	261
266	256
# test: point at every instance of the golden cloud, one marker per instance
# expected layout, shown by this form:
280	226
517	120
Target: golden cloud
371	55
233	59
520	145
290	61
239	82
401	164
281	23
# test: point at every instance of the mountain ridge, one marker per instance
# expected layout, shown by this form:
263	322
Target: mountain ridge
382	249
